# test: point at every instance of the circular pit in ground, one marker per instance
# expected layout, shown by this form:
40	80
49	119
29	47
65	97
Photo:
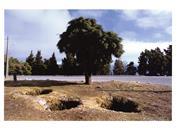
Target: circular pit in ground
121	104
65	104
45	91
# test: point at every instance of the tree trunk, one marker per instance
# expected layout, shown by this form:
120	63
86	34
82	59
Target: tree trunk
88	79
15	77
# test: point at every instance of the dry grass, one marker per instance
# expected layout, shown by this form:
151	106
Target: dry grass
53	100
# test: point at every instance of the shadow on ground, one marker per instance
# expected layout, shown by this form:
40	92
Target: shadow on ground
39	83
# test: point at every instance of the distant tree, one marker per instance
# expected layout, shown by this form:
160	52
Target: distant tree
52	66
168	56
90	45
38	67
18	67
131	69
156	63
46	62
143	62
104	70
30	59
118	67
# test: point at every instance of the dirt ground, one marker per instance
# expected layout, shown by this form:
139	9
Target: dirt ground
60	100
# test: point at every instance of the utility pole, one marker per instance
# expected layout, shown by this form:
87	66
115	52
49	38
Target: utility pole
7	60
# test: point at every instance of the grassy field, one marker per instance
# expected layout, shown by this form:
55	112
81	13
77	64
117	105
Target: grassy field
61	100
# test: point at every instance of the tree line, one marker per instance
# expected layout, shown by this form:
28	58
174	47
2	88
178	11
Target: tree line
34	65
155	62
37	65
152	62
42	66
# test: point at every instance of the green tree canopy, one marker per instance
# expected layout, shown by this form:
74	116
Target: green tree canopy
90	45
156	63
104	70
70	66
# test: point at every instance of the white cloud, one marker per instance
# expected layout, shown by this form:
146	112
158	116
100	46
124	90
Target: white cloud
130	14
169	30
149	19
152	21
35	30
158	35
90	13
157	12
134	48
128	35
155	19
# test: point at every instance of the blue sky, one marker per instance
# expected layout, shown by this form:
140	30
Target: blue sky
39	29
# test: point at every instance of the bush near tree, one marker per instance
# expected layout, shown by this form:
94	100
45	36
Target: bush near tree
18	67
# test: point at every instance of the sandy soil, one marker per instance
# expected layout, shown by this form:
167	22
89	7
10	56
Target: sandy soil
53	100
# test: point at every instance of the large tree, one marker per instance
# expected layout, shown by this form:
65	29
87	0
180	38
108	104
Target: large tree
90	45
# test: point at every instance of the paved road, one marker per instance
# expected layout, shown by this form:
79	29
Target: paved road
163	80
